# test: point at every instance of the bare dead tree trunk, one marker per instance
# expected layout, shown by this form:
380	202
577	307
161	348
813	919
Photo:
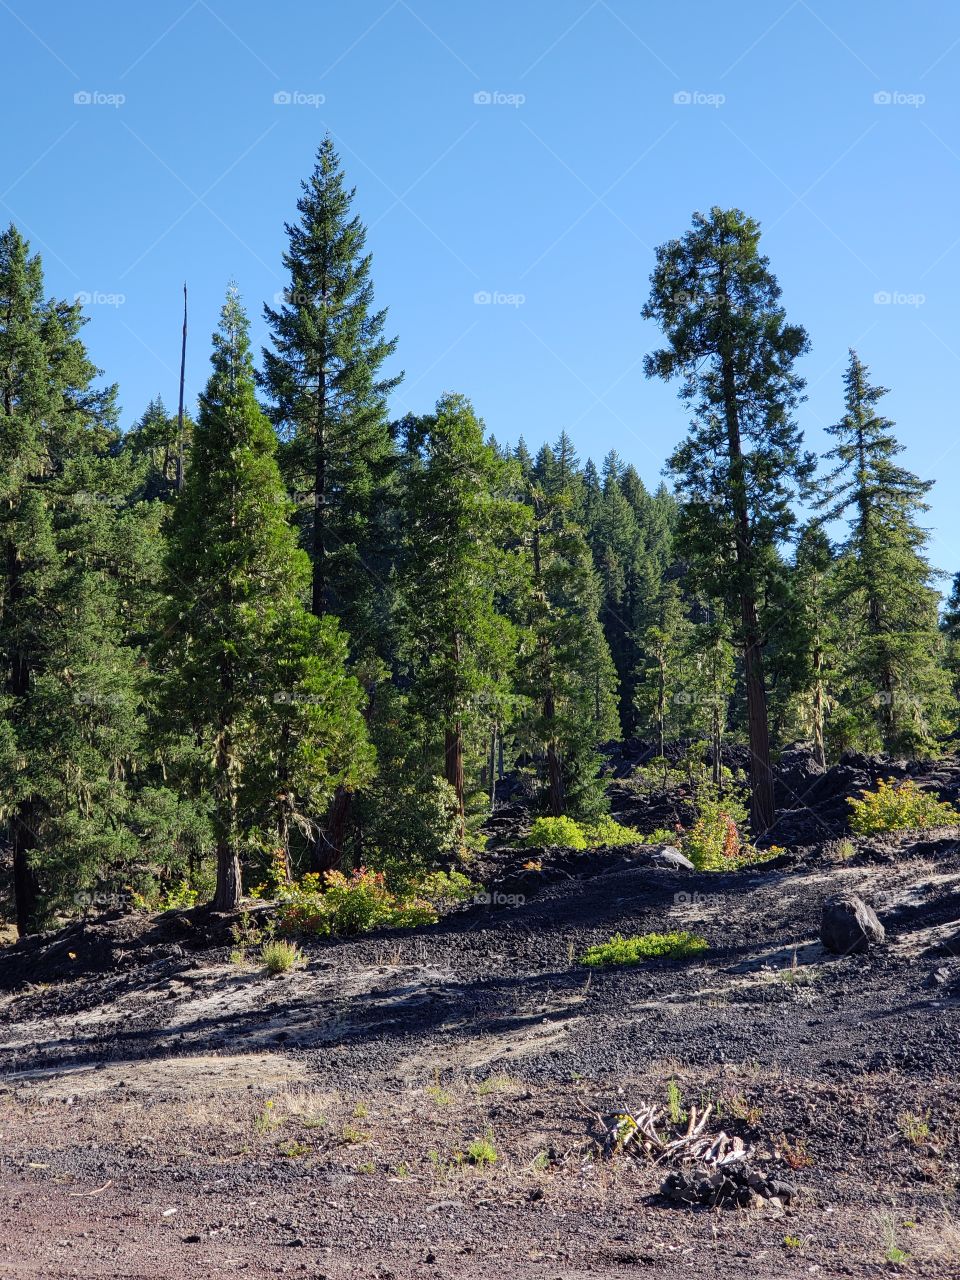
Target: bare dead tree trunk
183	367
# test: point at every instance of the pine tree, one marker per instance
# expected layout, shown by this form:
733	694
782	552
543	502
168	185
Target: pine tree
329	394
70	717
893	676
728	338
458	517
566	672
154	442
259	680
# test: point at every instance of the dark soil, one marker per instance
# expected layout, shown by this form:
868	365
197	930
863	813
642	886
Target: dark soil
168	1113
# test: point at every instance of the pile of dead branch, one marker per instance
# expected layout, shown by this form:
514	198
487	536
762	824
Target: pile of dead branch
648	1134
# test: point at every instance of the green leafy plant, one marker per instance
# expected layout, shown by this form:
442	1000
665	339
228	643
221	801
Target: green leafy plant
179	896
566	833
482	1152
292	1150
675	1106
341	905
266	1118
677	945
563	833
280	956
915	1129
899	806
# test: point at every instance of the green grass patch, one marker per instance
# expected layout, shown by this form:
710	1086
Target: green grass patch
678	945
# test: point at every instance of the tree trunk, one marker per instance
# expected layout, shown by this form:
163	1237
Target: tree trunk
319	544
554	774
326	852
818	743
761	774
227	896
22	826
26	887
453	762
494	738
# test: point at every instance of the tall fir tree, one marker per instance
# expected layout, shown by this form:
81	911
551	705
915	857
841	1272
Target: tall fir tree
565	671
259	679
324	374
458	520
893	675
329	394
728	339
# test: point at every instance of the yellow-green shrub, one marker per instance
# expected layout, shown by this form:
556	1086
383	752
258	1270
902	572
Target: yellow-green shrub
899	806
340	905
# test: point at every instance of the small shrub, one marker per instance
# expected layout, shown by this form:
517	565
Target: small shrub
899	806
292	1150
176	897
714	842
915	1129
606	831
280	956
566	833
266	1118
561	832
675	1103
341	905
795	1154
482	1152
678	945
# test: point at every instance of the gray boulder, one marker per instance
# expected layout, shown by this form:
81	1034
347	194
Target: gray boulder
670	857
849	925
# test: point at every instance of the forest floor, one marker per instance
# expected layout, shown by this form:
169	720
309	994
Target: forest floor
167	1113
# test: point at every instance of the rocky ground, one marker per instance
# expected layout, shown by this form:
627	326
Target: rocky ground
166	1112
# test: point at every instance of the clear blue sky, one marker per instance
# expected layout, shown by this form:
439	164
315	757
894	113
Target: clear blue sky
557	190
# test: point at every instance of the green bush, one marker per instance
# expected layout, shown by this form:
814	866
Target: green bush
678	945
341	905
899	807
279	956
565	833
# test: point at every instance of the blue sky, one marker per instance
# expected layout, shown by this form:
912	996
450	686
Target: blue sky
534	151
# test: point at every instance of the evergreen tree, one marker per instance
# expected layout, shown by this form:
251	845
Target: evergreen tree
893	677
325	377
154	442
329	394
566	672
259	680
70	719
458	518
718	304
